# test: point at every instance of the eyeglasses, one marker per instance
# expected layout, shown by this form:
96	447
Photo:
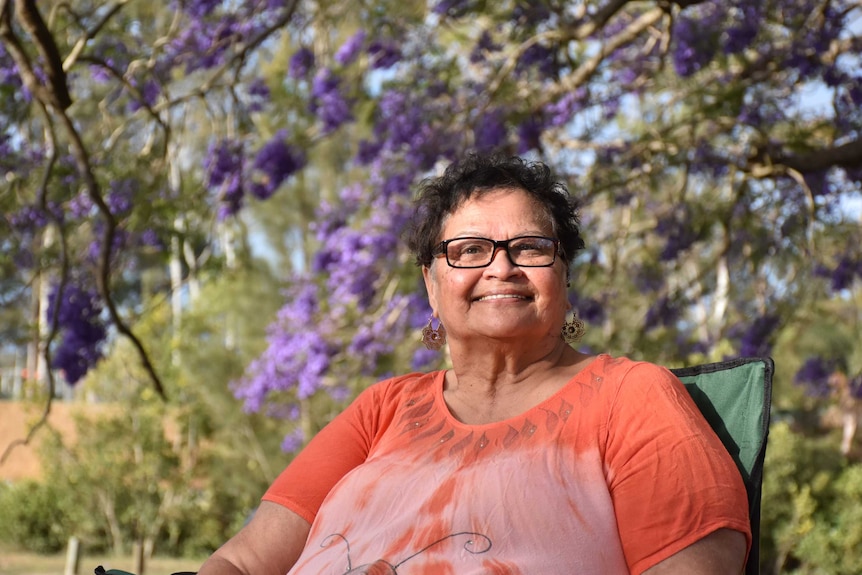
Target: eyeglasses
525	251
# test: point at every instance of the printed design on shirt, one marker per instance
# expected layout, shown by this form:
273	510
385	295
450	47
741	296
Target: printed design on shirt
416	414
476	545
418	421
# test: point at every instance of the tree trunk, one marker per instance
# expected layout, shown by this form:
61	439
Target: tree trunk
110	514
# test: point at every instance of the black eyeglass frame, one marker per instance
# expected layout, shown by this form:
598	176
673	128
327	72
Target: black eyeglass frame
441	249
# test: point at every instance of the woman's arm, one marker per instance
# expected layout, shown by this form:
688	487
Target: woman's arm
721	552
269	544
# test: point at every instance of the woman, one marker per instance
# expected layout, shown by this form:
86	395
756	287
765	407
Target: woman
527	456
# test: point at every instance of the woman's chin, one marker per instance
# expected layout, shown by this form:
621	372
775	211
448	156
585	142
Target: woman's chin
513	331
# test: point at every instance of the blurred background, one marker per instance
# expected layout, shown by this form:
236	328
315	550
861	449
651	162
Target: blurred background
202	203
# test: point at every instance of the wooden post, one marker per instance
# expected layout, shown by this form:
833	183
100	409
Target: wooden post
72	556
138	552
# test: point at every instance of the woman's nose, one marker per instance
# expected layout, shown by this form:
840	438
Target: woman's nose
501	263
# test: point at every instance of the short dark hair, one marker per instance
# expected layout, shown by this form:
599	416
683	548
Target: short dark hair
478	174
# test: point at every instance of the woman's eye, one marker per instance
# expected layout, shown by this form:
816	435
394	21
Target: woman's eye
472	249
528	246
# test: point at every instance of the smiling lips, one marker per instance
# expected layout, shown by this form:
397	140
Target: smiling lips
502	296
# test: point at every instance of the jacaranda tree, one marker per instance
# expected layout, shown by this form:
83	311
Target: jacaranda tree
150	148
715	144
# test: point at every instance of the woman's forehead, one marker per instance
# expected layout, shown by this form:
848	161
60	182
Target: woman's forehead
498	205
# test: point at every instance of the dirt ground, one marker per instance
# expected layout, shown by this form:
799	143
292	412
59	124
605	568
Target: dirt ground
16	420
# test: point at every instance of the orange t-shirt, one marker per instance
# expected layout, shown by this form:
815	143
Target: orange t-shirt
612	474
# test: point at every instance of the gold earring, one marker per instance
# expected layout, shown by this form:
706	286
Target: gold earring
573	330
433	338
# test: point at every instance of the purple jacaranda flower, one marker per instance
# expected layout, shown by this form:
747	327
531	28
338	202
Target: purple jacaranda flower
424	359
150	238
197	8
301	64
540	58
756	341
452	8
694	37
328	103
530	12
489	133
562	111
818	182
119	241
293	441
80	206
405	125
384	54
663	312
258	94
530	135
368	151
81	329
849	267
744	29
589	309
223	165
148	94
121	196
814	375
29	218
484	45
678	230
275	162
296	357
351	48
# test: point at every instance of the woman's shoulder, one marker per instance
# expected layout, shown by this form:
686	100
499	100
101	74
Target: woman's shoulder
392	389
622	366
622	371
378	405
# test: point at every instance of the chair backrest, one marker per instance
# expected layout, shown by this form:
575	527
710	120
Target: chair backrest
735	397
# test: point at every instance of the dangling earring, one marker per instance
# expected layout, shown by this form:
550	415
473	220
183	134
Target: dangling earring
433	338
573	330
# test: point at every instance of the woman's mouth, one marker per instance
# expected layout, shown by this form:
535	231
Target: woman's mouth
502	296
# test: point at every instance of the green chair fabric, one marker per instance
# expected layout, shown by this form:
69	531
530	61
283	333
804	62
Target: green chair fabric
734	397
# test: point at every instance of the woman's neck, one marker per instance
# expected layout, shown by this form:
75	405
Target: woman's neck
489	387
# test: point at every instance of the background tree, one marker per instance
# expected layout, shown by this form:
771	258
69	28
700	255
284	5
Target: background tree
150	149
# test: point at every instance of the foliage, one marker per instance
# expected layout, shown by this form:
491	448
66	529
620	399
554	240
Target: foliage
36	516
700	159
810	523
181	477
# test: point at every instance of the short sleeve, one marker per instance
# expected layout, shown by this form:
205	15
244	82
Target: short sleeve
671	480
339	447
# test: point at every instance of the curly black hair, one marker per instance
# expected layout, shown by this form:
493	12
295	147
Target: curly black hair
478	174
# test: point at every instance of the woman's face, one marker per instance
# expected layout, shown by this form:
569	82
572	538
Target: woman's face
501	300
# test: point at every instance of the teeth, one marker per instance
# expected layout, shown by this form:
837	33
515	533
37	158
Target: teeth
501	296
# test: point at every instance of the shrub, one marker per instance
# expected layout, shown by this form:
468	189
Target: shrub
33	517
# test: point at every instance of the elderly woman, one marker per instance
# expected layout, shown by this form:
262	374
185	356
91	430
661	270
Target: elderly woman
527	456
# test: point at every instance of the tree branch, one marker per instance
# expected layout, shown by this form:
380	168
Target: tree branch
103	277
42	201
586	70
848	155
90	33
31	20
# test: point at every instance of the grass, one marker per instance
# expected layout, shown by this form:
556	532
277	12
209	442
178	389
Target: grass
13	562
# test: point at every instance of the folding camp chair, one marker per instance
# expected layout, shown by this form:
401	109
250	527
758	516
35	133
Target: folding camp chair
734	397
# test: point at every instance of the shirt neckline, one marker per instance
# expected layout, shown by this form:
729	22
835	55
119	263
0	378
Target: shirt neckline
440	402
